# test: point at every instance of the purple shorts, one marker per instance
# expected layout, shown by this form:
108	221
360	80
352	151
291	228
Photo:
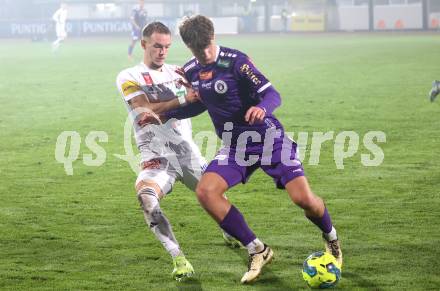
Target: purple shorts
280	163
136	34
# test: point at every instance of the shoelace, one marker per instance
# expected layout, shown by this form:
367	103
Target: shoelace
334	247
251	258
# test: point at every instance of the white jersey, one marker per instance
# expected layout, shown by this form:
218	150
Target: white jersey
158	86
60	16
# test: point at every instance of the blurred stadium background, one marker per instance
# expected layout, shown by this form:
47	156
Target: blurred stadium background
346	65
32	18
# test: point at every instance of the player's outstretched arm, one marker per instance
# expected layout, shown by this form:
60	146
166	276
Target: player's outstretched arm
163	106
189	111
138	100
152	112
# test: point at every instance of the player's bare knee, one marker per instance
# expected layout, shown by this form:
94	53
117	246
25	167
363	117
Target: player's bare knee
305	200
202	192
205	192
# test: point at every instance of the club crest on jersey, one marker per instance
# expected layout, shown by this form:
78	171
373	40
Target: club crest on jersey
220	87
147	78
205	75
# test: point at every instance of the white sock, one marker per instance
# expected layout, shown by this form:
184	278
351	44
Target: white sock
157	221
55	45
175	252
332	235
255	246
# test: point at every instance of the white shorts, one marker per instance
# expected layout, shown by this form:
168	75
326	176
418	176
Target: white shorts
186	166
61	30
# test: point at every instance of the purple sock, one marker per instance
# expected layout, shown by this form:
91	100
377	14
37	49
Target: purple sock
235	225
324	222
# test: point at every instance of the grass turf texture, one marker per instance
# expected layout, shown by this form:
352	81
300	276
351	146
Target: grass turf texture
86	231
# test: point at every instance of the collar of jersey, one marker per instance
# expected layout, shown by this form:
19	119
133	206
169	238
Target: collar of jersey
151	70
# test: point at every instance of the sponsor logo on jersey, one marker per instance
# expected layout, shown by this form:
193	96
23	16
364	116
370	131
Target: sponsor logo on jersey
205	75
220	87
129	87
222	63
207	85
249	72
147	78
149	90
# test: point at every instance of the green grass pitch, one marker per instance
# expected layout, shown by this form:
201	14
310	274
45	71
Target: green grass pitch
86	232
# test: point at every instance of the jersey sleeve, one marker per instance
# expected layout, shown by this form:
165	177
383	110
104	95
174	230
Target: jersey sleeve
188	111
128	86
269	99
248	73
187	68
55	16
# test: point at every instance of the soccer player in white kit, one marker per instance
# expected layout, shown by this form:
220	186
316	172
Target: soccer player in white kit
168	152
60	17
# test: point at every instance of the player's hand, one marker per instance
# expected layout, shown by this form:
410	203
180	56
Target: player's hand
183	81
149	118
180	72
192	95
254	115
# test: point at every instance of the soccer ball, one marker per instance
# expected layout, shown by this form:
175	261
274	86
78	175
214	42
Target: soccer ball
320	270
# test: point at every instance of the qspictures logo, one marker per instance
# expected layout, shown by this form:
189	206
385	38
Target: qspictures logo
345	145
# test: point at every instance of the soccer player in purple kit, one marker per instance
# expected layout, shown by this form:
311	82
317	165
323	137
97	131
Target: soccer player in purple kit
138	20
240	101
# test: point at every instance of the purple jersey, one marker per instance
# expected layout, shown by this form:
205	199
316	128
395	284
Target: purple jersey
228	88
139	16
